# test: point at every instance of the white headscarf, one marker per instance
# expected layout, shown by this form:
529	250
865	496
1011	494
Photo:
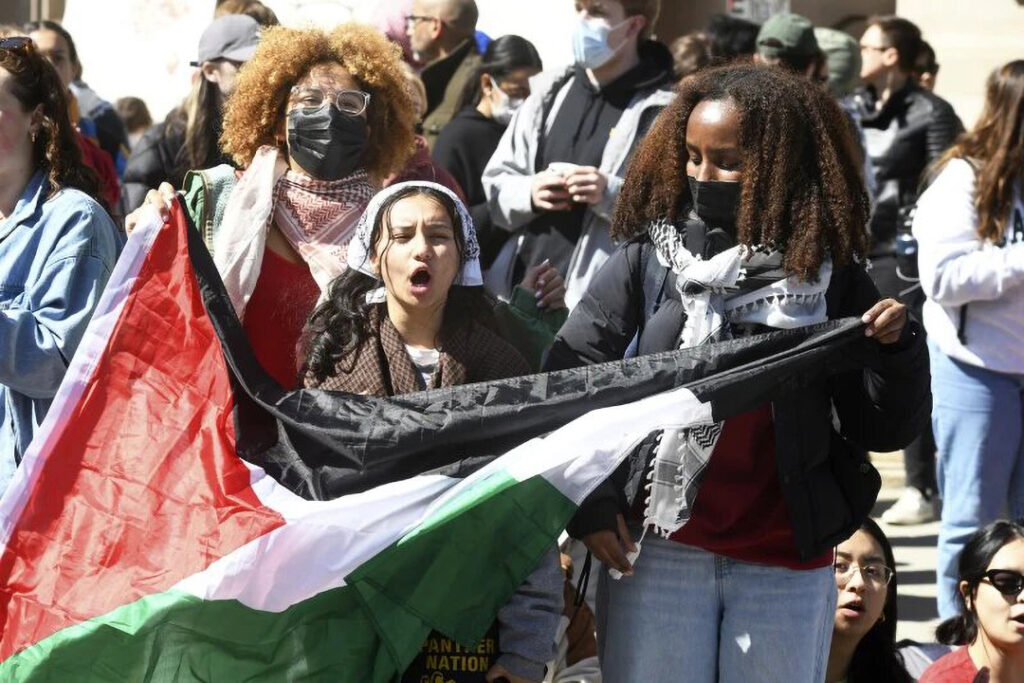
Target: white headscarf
360	249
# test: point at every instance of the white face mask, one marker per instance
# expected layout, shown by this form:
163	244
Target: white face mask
503	106
590	46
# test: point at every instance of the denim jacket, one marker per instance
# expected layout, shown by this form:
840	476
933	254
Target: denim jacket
56	253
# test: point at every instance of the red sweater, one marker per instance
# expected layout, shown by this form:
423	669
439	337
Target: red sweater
955	667
739	511
277	311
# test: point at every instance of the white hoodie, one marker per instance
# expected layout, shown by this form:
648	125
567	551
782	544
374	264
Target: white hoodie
959	269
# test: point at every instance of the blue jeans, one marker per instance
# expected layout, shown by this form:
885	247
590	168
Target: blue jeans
690	616
977	417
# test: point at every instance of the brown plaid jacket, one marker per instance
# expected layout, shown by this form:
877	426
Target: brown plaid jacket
382	367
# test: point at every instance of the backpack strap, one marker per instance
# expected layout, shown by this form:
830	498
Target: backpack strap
206	193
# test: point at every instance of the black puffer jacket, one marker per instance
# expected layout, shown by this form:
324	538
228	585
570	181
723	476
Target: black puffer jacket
911	130
827	485
159	157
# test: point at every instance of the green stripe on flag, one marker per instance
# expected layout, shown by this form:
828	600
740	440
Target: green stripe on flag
452	574
174	636
455	570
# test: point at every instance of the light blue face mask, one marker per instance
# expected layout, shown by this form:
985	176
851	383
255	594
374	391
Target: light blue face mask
590	45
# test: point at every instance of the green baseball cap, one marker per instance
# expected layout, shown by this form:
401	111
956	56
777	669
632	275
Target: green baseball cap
843	54
787	35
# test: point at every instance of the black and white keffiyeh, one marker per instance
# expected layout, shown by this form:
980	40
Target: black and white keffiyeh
740	285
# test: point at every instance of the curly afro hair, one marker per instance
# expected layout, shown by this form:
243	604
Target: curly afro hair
803	192
255	111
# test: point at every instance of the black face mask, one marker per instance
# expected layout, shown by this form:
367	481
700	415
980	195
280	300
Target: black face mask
325	142
716	202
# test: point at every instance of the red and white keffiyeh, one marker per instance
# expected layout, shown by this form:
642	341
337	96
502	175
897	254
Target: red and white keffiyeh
317	217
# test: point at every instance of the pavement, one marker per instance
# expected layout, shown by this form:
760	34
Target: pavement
915	548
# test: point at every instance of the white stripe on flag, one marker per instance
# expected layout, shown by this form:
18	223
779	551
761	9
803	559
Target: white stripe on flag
324	541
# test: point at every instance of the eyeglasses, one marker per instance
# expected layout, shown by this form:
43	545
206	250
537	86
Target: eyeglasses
414	19
18	44
352	102
876	48
876	575
1006	581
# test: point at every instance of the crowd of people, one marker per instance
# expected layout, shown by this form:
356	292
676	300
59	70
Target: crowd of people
416	205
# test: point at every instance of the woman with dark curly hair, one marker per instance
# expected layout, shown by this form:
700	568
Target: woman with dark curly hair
410	314
317	120
744	211
57	244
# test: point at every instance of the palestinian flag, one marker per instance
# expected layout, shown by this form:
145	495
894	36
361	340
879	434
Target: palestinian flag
181	518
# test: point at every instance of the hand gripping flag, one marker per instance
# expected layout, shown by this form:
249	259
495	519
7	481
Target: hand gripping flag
180	517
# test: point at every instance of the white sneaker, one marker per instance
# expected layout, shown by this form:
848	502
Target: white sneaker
911	508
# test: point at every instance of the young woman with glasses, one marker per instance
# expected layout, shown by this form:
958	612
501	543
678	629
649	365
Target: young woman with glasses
990	623
864	634
317	121
57	244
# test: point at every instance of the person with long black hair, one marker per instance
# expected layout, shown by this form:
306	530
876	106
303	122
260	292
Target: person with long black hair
864	635
500	85
990	620
409	314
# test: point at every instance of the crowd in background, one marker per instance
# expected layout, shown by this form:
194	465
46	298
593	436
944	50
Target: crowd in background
416	205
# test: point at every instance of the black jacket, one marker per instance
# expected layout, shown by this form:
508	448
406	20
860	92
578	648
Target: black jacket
463	149
922	126
828	485
160	156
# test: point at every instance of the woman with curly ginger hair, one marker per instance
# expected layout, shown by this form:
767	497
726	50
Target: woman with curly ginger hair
57	244
317	120
744	211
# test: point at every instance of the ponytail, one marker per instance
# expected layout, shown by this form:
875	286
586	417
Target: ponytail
960	630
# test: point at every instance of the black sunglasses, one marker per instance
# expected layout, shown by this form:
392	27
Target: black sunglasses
17	44
1006	581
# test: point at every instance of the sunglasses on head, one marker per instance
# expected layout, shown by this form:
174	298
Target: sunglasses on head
1006	581
17	44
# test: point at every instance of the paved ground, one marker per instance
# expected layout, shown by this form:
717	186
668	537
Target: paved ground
915	551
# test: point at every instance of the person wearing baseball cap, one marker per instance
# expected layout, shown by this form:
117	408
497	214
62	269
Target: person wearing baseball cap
189	137
225	45
787	40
